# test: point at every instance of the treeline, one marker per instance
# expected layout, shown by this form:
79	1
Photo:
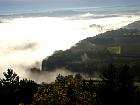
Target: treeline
115	87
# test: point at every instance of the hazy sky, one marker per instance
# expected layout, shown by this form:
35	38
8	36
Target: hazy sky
72	1
54	4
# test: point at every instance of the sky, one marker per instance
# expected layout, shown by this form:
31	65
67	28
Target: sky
58	2
29	5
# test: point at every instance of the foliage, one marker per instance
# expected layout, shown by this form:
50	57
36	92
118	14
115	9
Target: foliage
27	89
65	91
116	87
16	91
11	78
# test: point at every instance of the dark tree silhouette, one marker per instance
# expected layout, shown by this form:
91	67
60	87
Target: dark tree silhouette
118	87
11	78
10	88
126	86
27	90
107	89
14	91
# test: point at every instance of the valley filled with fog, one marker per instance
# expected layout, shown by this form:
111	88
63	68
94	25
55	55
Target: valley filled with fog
26	39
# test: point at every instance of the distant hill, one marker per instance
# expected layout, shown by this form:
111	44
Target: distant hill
94	54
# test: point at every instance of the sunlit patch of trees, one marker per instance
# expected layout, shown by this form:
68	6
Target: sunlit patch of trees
115	87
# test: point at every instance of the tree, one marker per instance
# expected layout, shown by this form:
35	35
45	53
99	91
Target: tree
16	91
126	86
106	92
10	88
11	78
27	90
118	86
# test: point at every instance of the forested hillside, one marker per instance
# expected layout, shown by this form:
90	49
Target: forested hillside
135	25
93	54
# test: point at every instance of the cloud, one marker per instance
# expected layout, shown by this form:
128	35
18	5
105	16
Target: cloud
25	46
12	48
